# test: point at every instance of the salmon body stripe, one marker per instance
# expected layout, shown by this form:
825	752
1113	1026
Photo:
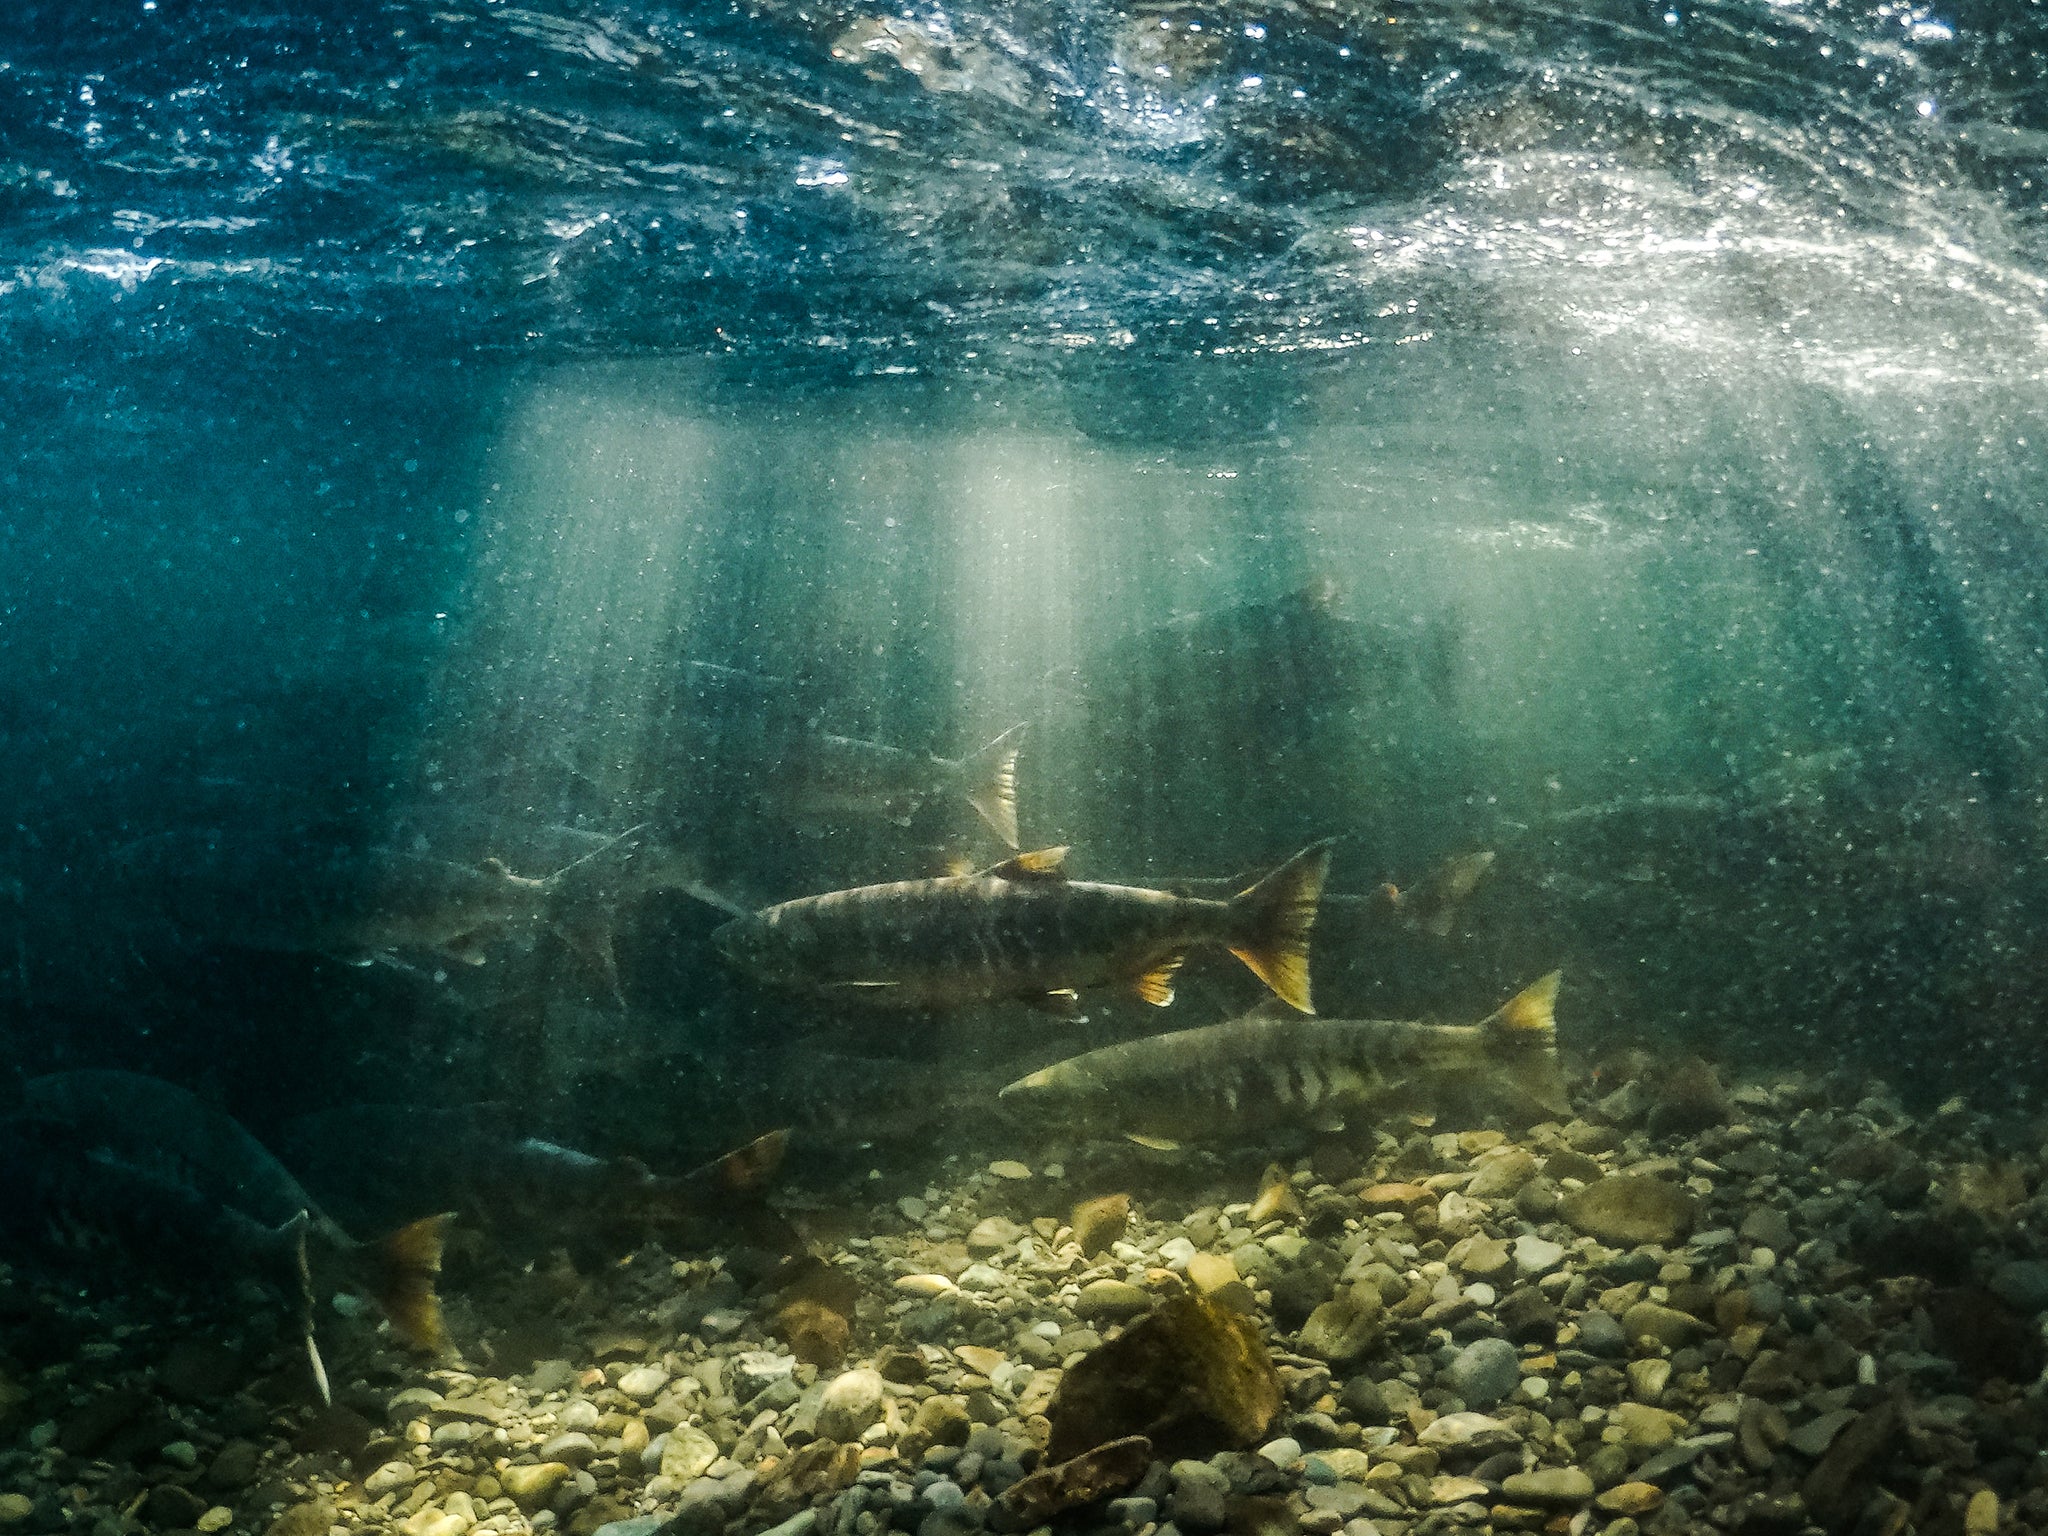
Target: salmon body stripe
966	938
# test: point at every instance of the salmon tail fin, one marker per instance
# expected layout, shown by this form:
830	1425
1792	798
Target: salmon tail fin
1269	924
402	1280
989	780
1528	1018
1523	1035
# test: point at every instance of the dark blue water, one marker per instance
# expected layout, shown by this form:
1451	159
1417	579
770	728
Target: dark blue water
401	398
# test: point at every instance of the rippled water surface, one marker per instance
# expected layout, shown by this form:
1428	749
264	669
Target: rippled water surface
402	397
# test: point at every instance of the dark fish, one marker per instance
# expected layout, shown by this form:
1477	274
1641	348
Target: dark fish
382	1164
1433	903
1024	930
318	891
156	1156
826	775
1266	1072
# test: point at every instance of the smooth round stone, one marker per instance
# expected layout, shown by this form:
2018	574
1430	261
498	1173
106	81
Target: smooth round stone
181	1453
1630	1499
1284	1452
1112	1299
581	1415
1648	1378
574	1447
2022	1283
1536	1255
15	1508
1480	1294
849	1405
390	1477
1601	1333
1009	1168
1485	1371
1548	1486
643	1383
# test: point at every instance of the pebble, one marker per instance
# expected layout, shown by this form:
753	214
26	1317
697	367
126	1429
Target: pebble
532	1486
389	1478
1629	1499
1601	1333
1548	1486
1485	1371
1111	1300
15	1508
643	1383
1536	1256
686	1453
1197	1502
574	1447
1648	1378
1284	1452
1007	1168
849	1405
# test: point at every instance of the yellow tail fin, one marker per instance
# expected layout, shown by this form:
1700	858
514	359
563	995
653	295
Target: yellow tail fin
1269	924
1527	1018
990	783
406	1263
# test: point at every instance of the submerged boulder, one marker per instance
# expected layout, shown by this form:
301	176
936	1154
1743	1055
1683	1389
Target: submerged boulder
1630	1210
1191	1376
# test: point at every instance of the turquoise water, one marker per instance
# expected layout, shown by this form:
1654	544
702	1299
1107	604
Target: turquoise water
1609	439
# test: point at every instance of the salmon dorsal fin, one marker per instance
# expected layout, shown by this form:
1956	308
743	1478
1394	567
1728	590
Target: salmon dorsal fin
1039	864
1156	985
1527	1018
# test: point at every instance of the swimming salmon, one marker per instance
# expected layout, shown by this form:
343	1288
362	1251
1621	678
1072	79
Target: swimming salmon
172	1180
1024	930
1267	1072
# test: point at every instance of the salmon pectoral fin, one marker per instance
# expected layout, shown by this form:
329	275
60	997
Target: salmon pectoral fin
1156	985
1039	864
1269	924
1062	1003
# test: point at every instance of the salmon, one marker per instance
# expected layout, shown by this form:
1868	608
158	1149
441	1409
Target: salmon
1025	930
1267	1072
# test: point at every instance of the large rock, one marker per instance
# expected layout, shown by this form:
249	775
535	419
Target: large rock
1629	1210
1050	1491
1190	1376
